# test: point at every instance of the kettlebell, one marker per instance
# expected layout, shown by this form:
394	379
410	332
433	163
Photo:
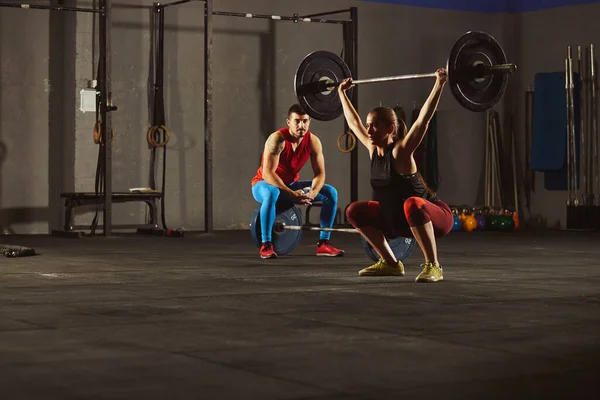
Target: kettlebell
457	225
481	222
469	223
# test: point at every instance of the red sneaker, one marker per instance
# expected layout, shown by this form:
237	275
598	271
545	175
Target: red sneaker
267	251
325	249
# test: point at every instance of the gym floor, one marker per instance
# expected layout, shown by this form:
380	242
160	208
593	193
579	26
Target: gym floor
203	317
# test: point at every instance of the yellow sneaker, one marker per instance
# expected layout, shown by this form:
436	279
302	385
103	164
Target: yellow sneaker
381	268
431	273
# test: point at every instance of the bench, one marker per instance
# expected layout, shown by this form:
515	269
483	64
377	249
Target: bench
79	199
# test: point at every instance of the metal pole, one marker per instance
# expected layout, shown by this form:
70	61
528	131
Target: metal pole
492	161
347	37
505	68
312	228
513	151
497	161
329	84
277	17
487	157
594	127
589	188
582	130
55	8
529	185
208	146
569	188
353	47
326	13
394	78
572	131
175	3
105	108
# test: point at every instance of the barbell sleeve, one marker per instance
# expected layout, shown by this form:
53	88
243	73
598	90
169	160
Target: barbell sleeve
504	68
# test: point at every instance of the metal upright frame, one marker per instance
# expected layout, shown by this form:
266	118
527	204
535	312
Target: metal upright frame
208	117
105	93
351	59
350	39
104	89
59	7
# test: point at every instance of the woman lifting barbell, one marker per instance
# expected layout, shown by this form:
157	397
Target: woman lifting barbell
402	203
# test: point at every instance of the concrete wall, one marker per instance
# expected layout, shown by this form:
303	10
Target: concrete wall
32	118
254	65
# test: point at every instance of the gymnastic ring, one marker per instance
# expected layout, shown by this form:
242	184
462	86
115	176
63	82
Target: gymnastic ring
98	135
353	141
153	142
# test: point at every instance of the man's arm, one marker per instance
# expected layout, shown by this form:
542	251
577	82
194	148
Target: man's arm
274	146
317	161
413	138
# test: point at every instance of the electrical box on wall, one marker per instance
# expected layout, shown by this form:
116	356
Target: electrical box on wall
88	98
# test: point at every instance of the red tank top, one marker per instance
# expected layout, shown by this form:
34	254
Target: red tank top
290	161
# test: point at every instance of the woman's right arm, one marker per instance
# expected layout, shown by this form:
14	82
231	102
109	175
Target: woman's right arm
351	115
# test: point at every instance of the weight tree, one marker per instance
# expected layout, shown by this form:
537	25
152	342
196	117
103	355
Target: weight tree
104	94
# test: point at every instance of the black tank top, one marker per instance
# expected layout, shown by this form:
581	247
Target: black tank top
390	188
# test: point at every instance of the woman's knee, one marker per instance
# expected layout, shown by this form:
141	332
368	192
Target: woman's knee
362	213
414	211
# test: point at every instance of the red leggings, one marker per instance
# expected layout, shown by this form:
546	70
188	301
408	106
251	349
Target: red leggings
417	211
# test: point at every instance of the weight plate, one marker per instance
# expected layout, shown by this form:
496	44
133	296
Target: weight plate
285	241
401	247
316	67
476	93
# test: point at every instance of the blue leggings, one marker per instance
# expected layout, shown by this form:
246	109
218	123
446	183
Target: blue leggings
267	195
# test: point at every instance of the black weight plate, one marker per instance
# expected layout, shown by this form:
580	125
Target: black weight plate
476	94
285	241
401	247
315	67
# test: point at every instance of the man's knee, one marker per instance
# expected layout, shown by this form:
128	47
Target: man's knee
329	191
270	194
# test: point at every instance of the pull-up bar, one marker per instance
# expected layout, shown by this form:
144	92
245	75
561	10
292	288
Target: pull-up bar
326	13
175	3
295	18
43	7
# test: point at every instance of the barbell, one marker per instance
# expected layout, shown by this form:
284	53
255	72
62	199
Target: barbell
288	228
477	71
